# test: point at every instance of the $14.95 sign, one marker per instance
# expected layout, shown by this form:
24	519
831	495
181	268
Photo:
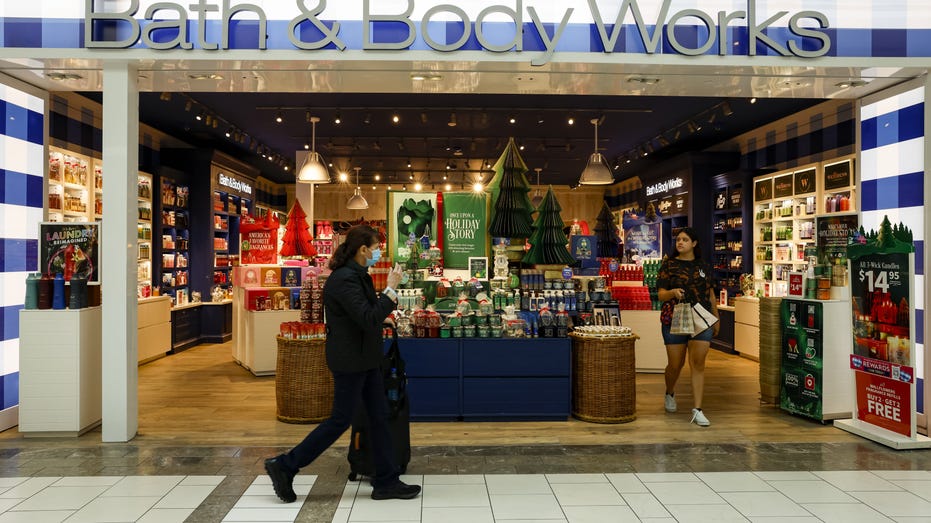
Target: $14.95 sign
879	279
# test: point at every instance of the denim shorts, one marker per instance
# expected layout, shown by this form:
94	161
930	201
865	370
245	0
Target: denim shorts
682	339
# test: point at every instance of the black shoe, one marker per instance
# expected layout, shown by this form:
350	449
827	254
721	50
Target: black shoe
399	490
281	479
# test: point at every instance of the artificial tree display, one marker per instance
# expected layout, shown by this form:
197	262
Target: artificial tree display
297	240
509	189
548	241
607	233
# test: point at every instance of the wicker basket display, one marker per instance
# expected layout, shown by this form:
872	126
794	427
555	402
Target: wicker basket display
604	387
303	382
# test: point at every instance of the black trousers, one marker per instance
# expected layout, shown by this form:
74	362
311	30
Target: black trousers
349	389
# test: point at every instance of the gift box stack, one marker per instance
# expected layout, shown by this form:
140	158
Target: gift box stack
312	300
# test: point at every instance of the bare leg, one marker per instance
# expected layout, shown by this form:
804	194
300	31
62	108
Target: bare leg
675	354
698	351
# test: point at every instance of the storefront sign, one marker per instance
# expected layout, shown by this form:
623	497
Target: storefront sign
837	176
665	187
259	242
763	190
169	25
71	249
884	402
804	182
235	184
782	186
465	223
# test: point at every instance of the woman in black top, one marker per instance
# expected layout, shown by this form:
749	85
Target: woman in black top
684	277
354	350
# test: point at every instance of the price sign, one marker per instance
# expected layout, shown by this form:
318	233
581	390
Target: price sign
880	280
796	284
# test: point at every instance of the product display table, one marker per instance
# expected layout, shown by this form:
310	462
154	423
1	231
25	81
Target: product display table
650	350
59	376
604	384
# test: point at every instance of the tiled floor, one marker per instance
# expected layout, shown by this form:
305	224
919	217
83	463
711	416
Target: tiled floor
684	497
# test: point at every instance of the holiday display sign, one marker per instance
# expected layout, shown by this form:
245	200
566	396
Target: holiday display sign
465	218
259	241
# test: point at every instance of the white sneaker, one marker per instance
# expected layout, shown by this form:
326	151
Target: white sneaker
670	403
698	417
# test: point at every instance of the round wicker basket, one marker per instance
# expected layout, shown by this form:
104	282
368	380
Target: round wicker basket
604	387
303	382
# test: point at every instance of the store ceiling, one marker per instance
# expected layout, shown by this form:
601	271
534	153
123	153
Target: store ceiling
424	145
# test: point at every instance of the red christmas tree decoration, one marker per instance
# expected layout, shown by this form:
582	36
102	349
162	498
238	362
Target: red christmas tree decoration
297	240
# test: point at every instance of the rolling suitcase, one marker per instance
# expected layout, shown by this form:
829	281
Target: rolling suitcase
361	458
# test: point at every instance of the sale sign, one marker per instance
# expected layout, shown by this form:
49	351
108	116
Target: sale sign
884	402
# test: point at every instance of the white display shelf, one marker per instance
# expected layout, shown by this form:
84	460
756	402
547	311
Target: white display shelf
154	328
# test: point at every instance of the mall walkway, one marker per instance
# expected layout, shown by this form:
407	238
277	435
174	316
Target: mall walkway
206	425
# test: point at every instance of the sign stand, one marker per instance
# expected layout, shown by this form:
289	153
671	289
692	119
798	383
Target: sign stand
881	266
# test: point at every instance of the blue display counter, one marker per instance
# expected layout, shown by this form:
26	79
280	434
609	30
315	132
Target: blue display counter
488	378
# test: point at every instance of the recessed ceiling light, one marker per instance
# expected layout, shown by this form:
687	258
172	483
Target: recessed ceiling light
205	76
643	80
850	83
61	77
418	77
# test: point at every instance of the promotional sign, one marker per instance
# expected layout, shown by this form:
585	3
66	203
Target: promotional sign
259	241
833	235
881	293
412	218
804	182
802	357
70	249
884	402
782	186
676	205
837	176
736	197
465	221
642	236
763	190
796	285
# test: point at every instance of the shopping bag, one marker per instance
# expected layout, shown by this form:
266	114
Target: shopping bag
702	319
682	323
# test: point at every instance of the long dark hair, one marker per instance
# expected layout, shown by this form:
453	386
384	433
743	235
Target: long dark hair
357	237
690	232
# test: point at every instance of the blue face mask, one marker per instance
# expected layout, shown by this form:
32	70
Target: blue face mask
376	255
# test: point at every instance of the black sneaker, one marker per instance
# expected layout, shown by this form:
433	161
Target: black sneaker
281	479
399	490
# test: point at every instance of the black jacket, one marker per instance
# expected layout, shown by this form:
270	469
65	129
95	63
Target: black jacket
354	316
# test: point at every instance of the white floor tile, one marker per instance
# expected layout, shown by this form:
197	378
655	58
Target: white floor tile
587	494
553	520
457	515
446	496
627	483
705	513
50	516
919	488
763	504
895	504
28	488
453	479
904	474
185	497
666	477
87	481
684	493
166	515
143	486
646	506
341	515
517	484
845	513
11	482
412	479
619	514
799	519
264	490
812	492
114	509
910	520
658	520
734	482
368	509
786	476
270	501
576	478
856	481
61	498
7	504
261	514
349	495
201	481
525	506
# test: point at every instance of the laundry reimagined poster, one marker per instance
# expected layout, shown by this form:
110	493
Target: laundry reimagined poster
465	228
642	235
71	249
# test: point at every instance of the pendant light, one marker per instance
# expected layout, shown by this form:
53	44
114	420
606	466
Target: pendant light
313	170
537	195
596	171
357	201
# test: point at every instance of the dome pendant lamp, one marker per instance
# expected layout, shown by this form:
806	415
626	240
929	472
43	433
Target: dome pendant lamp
313	170
596	171
357	201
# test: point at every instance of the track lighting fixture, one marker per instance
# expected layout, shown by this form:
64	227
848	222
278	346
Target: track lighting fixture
395	119
726	109
753	100
313	169
229	132
512	120
188	105
692	127
663	142
200	116
452	120
571	121
368	119
418	186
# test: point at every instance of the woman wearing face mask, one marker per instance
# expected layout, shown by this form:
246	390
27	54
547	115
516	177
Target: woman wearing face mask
684	277
354	350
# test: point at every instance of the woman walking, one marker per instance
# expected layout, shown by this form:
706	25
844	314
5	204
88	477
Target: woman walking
354	351
684	277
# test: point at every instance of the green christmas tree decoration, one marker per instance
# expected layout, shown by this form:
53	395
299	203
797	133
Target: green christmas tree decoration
607	233
509	189
887	239
548	242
